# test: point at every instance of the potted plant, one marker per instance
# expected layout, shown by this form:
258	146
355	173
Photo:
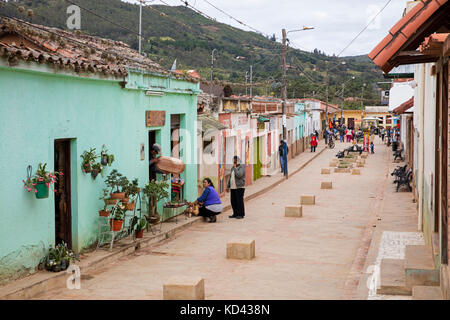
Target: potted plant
140	226
131	191
105	212
115	180
88	160
117	220
96	169
41	181
105	158
155	191
59	258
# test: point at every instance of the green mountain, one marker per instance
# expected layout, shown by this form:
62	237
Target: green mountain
180	33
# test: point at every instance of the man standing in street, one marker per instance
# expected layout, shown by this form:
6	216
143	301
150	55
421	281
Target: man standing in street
325	135
236	183
285	161
280	153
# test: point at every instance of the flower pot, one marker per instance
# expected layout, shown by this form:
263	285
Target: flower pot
140	234
129	206
104	213
87	167
104	160
42	190
94	173
65	264
116	225
56	268
125	200
118	195
110	202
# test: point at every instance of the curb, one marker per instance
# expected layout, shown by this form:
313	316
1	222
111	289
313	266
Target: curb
59	280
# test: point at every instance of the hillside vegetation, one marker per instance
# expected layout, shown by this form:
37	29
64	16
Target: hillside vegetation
180	33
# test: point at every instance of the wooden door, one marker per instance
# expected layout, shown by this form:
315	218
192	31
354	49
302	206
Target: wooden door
63	209
444	158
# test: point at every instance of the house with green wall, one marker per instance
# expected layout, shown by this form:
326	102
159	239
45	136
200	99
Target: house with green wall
63	93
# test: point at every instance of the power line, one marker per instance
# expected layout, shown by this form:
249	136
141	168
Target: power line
364	29
101	17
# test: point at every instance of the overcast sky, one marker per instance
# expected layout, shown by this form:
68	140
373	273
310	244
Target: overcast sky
336	22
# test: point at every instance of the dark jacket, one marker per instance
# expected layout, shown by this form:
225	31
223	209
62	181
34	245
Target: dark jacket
239	176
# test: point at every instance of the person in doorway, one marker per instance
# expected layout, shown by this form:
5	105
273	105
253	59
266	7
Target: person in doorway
156	150
236	183
209	201
313	143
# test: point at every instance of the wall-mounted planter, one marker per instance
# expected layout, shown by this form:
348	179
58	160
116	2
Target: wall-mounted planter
129	206
140	234
104	213
110	202
87	167
42	190
94	173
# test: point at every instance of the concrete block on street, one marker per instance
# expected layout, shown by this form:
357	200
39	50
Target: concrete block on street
325	171
333	163
293	211
326	185
356	172
341	170
360	165
307	200
184	288
364	155
242	249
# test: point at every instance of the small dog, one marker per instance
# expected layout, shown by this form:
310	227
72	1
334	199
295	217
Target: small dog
192	209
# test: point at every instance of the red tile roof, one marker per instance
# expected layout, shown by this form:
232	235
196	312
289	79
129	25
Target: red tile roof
71	50
409	32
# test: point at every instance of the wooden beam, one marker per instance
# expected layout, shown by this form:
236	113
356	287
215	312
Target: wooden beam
446	47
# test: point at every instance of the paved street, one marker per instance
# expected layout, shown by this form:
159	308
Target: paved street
313	257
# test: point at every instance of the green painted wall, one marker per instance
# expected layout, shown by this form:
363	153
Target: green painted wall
38	107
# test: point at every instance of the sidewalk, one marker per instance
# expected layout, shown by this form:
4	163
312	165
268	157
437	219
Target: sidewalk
394	228
43	281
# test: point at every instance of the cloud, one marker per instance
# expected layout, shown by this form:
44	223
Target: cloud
336	23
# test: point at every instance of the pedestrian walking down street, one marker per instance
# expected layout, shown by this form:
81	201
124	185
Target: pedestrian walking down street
236	183
285	153
313	143
317	134
348	133
372	146
341	133
280	153
325	135
210	200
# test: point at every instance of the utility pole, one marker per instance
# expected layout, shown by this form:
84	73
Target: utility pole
326	92
246	80
362	97
251	82
212	67
140	25
342	105
283	81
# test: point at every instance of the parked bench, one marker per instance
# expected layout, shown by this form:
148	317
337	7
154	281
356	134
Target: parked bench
404	180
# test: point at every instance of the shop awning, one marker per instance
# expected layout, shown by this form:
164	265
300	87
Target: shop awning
400	45
209	123
404	106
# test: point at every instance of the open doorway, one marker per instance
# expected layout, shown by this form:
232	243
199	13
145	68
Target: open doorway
63	209
151	142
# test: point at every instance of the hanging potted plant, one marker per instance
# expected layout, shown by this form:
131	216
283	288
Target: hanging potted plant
96	169
155	191
131	192
88	160
140	226
105	158
41	181
116	222
114	180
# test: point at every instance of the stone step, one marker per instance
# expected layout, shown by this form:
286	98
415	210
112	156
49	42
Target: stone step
392	278
427	293
419	266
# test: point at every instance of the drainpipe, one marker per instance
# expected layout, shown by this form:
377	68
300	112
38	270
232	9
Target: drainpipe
422	151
